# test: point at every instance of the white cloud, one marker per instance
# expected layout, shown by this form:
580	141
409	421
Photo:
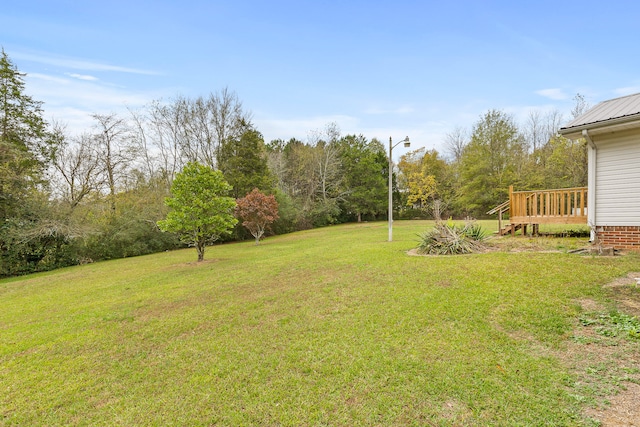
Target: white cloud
555	93
74	120
299	128
375	110
629	90
71	101
82	77
521	113
429	134
47	78
75	92
79	64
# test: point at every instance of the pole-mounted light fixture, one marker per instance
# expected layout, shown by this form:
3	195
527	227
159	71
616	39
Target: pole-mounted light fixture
391	147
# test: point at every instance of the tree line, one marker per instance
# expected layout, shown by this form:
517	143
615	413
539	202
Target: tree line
482	162
73	198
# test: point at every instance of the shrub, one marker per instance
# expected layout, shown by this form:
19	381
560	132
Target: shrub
448	239
576	233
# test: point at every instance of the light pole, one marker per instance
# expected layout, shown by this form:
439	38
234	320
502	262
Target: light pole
391	147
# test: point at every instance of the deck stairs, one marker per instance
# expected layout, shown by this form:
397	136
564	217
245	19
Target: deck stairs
509	229
501	210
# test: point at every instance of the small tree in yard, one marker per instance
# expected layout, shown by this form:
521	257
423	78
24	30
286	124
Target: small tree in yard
199	211
257	211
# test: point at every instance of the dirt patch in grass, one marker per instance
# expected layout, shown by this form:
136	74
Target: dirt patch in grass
626	281
522	244
525	244
605	358
202	263
623	410
589	305
627	293
455	412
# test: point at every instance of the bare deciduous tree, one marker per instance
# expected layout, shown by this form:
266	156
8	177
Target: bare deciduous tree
116	151
78	167
456	141
143	140
534	130
194	130
209	122
581	105
277	163
168	136
327	159
552	122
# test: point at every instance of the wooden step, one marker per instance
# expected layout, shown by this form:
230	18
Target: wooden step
510	228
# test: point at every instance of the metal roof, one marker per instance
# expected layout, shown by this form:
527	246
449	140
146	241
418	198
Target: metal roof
618	109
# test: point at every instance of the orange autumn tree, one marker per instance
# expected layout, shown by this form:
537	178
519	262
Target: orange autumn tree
257	211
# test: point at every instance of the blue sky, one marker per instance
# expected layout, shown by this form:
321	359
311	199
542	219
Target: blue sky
378	68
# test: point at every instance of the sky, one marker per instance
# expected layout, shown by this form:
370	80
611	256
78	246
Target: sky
383	69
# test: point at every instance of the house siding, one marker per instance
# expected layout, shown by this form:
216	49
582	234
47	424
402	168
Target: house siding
618	180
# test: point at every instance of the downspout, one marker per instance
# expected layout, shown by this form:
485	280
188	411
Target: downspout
591	183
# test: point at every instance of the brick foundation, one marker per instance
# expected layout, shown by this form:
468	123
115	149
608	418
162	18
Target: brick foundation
619	237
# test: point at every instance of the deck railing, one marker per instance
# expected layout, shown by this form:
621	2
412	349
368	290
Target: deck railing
563	206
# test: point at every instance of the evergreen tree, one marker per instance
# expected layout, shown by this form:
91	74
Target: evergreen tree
365	185
25	144
243	162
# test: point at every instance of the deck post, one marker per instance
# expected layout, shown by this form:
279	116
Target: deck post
510	201
511	209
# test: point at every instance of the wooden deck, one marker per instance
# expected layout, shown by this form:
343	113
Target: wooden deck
532	208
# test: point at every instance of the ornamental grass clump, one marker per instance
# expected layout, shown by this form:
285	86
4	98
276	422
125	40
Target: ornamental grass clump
474	231
448	239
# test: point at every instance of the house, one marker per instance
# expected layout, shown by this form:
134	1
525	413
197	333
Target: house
612	132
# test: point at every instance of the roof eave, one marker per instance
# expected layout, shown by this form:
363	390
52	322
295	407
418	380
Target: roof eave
605	126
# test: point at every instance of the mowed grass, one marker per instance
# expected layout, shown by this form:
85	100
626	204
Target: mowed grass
333	326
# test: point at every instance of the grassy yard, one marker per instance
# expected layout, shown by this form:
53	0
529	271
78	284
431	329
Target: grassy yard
333	326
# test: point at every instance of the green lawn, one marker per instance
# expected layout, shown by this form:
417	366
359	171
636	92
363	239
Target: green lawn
333	326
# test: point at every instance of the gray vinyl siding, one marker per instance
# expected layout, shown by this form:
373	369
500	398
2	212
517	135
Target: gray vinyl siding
618	180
